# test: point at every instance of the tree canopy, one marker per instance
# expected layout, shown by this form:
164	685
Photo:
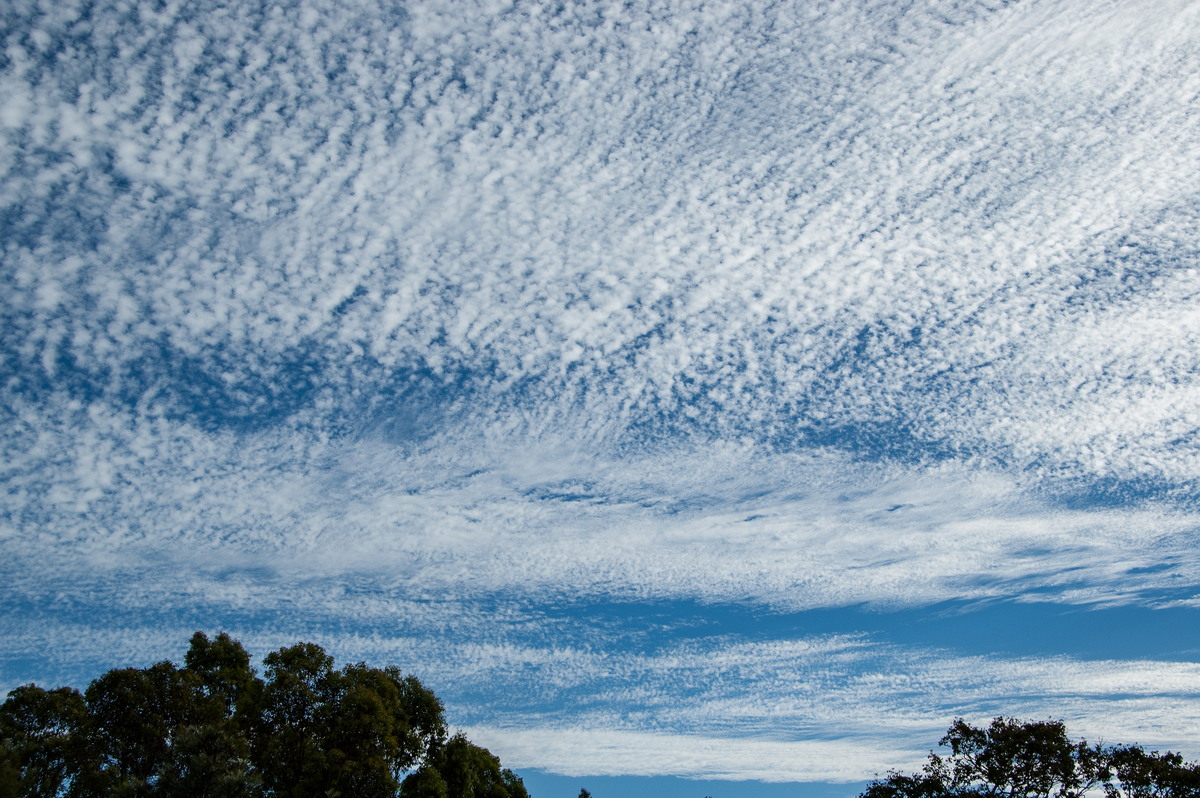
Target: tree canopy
1036	759
216	729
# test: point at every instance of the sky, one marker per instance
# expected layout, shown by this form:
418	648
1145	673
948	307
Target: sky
703	398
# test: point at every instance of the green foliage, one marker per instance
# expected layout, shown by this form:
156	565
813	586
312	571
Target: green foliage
39	732
461	769
1036	759
214	729
426	782
133	719
287	739
223	669
355	731
1138	774
10	771
210	760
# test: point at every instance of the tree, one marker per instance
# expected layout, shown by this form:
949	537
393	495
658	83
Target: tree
223	669
1137	774
425	782
1036	759
461	769
40	735
215	729
209	761
10	770
210	753
356	731
134	716
382	724
288	749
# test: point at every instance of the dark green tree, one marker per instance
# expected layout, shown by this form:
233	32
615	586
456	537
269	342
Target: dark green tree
425	782
1036	759
134	716
288	749
356	731
10	770
1032	760
222	667
381	724
40	731
210	752
209	761
214	729
461	769
1138	774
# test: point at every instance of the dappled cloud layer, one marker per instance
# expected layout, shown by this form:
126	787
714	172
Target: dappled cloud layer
331	316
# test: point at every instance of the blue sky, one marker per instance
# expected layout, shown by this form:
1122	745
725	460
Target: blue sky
704	398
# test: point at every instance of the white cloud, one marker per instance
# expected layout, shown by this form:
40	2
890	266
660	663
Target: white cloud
719	524
835	716
822	708
584	752
336	313
868	215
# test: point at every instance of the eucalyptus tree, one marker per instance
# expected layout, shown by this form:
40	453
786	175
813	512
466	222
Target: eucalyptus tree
1036	759
215	729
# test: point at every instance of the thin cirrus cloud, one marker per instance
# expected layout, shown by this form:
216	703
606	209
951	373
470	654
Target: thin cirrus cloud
787	531
336	317
855	725
833	708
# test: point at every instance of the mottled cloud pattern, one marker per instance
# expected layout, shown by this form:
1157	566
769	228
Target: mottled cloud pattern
437	330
